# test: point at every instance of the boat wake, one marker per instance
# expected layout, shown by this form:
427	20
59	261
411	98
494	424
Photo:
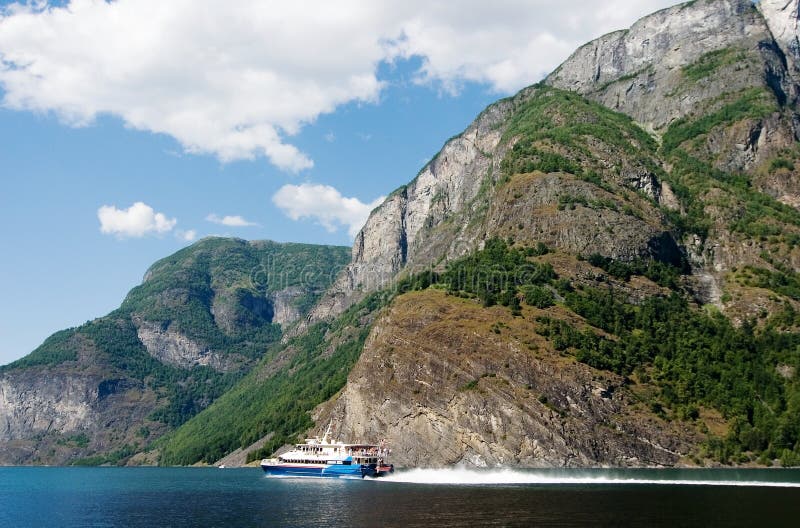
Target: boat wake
463	476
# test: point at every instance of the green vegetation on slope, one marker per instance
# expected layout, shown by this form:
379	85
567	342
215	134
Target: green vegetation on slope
276	397
712	61
752	103
56	349
696	359
186	292
700	359
237	275
554	128
659	272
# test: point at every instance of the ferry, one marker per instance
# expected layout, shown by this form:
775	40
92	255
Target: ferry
324	457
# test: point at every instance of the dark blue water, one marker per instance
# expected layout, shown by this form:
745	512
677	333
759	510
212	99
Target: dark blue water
146	497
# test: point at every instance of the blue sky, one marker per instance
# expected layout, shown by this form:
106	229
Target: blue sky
113	122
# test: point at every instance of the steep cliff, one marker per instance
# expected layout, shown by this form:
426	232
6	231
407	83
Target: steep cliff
707	79
200	320
600	270
444	388
702	177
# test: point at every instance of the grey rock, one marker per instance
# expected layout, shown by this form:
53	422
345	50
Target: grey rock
284	302
782	18
443	390
395	233
173	348
44	410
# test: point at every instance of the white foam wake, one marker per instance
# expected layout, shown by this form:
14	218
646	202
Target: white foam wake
462	476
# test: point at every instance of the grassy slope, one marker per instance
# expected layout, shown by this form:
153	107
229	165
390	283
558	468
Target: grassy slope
178	293
694	358
276	397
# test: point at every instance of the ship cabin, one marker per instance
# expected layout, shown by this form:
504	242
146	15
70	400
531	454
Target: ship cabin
364	453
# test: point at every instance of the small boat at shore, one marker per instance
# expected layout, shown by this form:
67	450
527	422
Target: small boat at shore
324	457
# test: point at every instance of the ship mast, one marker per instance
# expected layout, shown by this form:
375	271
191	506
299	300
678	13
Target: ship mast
326	436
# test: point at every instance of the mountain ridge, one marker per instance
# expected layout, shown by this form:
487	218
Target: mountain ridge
106	390
605	275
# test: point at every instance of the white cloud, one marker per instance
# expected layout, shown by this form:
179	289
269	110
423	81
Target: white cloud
236	79
324	204
230	220
136	221
187	236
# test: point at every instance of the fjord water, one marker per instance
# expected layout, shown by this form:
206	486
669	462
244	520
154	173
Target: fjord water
178	497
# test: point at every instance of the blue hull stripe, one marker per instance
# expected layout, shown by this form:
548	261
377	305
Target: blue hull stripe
331	471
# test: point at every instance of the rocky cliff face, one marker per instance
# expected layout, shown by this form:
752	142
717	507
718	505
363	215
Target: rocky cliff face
639	71
396	234
444	388
682	63
782	18
713	84
49	417
173	348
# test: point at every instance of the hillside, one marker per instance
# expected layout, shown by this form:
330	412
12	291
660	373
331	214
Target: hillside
600	270
199	321
658	165
521	357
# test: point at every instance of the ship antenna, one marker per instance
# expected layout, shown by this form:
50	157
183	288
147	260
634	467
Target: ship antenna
325	437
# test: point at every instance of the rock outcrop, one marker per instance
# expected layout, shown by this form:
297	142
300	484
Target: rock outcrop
394	236
683	61
104	391
782	17
640	71
173	348
444	388
47	417
679	63
285	305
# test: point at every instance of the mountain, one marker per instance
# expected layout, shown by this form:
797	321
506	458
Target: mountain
600	270
659	166
706	79
200	320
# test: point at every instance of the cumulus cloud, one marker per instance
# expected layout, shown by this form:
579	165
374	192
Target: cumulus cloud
136	221
507	44
325	205
230	220
187	236
237	79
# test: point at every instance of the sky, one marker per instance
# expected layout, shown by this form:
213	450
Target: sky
132	128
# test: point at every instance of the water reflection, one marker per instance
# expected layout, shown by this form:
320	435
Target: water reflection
146	497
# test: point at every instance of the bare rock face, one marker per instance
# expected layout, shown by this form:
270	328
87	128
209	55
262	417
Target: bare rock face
530	209
782	18
678	62
284	305
394	235
173	348
58	403
49	417
444	389
639	71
